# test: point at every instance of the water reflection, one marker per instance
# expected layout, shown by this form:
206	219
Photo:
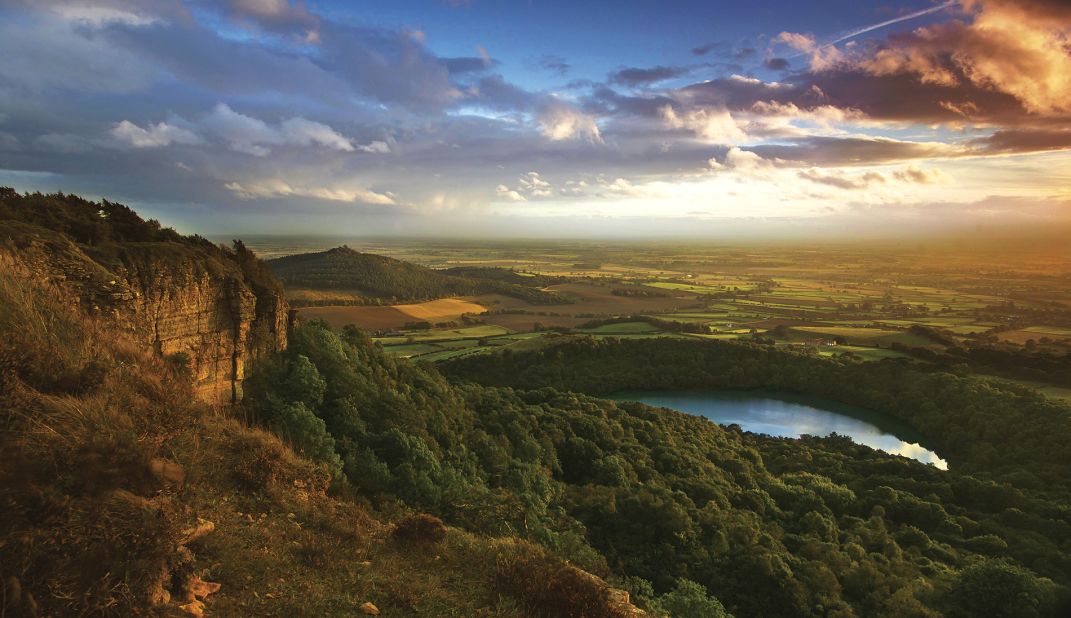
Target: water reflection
792	416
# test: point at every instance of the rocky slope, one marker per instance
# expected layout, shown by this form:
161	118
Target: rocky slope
192	302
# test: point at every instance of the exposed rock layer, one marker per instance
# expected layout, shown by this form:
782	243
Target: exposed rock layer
206	315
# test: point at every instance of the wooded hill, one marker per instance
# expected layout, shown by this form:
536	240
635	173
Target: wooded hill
384	278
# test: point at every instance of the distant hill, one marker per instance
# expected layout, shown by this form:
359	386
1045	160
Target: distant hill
382	277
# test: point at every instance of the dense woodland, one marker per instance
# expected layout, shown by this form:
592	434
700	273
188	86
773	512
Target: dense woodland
997	430
383	278
667	502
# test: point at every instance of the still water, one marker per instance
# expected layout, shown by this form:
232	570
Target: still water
791	416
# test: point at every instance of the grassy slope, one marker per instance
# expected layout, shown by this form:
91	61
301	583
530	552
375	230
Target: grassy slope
89	527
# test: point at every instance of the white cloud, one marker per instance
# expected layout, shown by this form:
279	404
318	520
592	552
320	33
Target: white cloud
509	194
305	132
254	136
277	187
155	136
562	122
716	125
375	147
534	185
528	185
243	133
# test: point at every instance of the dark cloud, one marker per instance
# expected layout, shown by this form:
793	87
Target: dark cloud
495	92
1019	141
468	64
845	151
718	47
552	63
633	77
744	53
607	101
776	64
898	98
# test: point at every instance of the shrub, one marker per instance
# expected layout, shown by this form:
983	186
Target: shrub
552	587
421	528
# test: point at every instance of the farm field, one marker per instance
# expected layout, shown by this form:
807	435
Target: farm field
867	300
393	316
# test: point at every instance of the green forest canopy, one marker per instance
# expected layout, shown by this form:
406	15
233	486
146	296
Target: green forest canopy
661	500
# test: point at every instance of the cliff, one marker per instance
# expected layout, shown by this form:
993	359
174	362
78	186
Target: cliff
209	308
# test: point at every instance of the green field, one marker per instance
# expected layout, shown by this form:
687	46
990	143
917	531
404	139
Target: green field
623	328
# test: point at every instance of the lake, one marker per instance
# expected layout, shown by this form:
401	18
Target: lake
791	416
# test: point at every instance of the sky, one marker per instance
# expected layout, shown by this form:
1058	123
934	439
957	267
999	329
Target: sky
546	118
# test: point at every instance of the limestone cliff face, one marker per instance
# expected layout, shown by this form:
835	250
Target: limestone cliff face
205	309
219	322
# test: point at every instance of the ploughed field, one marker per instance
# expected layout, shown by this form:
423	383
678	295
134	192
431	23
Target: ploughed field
393	316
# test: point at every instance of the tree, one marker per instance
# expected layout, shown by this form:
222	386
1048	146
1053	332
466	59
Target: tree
689	600
999	590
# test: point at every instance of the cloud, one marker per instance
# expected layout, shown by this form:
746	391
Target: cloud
375	147
823	57
534	185
776	64
1017	47
854	150
856	181
716	125
563	122
840	180
62	143
915	175
529	185
509	194
100	13
242	133
633	77
277	187
304	132
43	55
553	63
254	136
717	46
1022	141
155	136
743	160
276	16
468	64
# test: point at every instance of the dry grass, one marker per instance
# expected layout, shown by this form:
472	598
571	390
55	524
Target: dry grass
554	588
421	529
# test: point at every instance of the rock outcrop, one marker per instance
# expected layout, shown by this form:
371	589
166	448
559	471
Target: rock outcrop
215	323
196	304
